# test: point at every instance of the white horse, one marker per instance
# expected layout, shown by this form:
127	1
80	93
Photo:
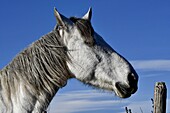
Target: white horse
72	50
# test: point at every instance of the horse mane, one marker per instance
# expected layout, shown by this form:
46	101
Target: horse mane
86	30
41	68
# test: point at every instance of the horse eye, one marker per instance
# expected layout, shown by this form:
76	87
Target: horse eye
59	28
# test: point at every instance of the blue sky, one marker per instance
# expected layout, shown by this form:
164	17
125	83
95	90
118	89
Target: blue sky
138	30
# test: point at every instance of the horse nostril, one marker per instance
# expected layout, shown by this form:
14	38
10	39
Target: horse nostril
131	77
132	82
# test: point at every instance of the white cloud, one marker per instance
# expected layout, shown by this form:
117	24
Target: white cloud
144	106
154	65
90	101
86	100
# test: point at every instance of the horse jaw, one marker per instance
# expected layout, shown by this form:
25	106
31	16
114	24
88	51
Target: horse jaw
99	66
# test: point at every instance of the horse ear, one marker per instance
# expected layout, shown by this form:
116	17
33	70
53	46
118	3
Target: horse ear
88	15
59	17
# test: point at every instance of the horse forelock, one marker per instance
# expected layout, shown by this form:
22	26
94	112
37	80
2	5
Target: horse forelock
85	28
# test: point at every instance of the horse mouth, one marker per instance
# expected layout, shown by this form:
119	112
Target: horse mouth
124	91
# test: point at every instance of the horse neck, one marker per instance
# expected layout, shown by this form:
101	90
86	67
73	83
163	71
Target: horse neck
37	73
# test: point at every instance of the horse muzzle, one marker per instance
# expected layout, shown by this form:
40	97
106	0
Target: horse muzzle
125	91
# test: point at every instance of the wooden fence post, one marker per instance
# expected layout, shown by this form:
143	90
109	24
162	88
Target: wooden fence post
160	95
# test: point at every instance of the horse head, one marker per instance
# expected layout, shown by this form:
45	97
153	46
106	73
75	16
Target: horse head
93	61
